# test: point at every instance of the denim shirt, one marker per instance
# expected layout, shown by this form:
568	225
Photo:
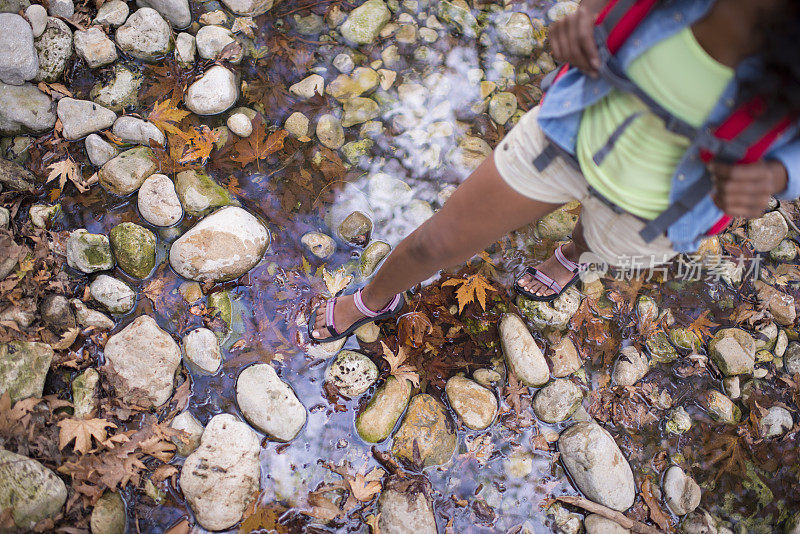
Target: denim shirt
562	109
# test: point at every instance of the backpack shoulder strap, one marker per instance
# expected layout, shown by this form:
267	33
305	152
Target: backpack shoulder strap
619	18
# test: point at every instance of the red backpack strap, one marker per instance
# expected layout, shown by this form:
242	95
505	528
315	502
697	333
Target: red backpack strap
619	19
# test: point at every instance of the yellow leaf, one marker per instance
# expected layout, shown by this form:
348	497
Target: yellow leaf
398	368
200	143
470	289
82	431
166	116
65	170
701	326
337	281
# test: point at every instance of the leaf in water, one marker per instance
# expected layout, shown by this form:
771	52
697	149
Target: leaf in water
66	170
166	116
201	141
265	518
259	145
786	273
397	366
412	328
470	289
337	281
656	513
244	25
702	326
365	486
82	431
727	451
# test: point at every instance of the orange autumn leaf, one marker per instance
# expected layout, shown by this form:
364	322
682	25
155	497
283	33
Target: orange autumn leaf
364	486
702	326
397	366
166	116
200	143
82	431
470	289
259	145
412	328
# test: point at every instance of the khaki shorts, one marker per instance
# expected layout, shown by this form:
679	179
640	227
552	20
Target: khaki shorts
612	237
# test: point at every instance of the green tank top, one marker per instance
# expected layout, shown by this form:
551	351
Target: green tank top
636	175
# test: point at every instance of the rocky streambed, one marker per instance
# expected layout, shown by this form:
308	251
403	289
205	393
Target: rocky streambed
184	181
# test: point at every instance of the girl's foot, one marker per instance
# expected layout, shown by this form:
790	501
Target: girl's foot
346	313
552	268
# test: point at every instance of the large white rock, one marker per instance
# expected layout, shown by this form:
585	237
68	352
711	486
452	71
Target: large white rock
405	510
523	355
137	131
214	93
158	202
18	59
597	466
211	40
176	12
252	8
112	13
144	358
681	492
474	404
223	246
114	294
24	108
95	48
221	476
82	117
28	490
145	35
201	349
126	172
268	403
352	373
37	17
54	48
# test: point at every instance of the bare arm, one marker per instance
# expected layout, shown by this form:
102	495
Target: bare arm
572	38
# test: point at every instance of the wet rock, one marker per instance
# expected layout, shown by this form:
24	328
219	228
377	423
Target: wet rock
488	378
372	256
37	17
143	359
15	177
365	22
297	126
42	215
564	358
733	350
57	313
54	49
89	318
473	403
427	435
23	314
352	373
343	63
201	350
557	401
685	339
522	354
199	193
99	150
502	107
358	110
308	87
559	224
125	173
252	8
95	48
61	8
220	478
120	92
784	252
23	369
311	24
355	228
158	202
185	48
113	13
223	246
82	117
405	508
660	349
18	59
722	409
214	93
240	125
176	12
597	466
362	80
84	394
791	359
330	132
781	305
137	131
376	422
109	515
775	423
699	522
766	336
459	16
515	31
268	403
115	295
679	421
89	253
553	315
767	232
134	248
368	332
212	40
187	441
28	490
220	303
597	524
5	218
145	35
321	245
24	108
631	366
681	492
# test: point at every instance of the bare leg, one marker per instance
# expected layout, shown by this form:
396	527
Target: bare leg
481	211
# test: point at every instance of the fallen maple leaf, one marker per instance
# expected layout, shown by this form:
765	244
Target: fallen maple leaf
412	328
166	116
82	431
471	289
200	143
244	25
259	145
365	486
702	326
656	513
64	170
397	367
337	281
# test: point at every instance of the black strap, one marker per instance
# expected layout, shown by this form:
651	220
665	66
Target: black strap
600	156
678	209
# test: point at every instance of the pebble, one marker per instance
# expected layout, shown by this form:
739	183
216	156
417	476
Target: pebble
134	248
365	22
681	492
330	132
42	215
722	409
201	350
352	373
221	477
523	355
372	256
791	359
375	423
61	8
145	35
358	110
99	150
137	131
185	48
321	245
515	32
25	109
25	365
308	87
187	441
427	434
176	12
214	93
142	359
597	524
113	13
158	202
211	40
56	313
37	18
18	59
113	294
780	305
126	172
29	491
768	231
631	366
557	401
343	63
473	403
109	515
95	48
502	107
564	358
660	348
82	117
240	125
89	318
733	350
297	126
268	403
597	466
679	421
776	422
218	17
89	253
368	332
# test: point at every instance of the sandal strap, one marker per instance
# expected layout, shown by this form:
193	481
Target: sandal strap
546	280
359	302
330	306
567	263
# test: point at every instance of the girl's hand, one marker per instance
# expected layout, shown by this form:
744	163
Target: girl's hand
572	38
744	190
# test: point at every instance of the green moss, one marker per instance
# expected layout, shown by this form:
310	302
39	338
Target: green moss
135	249
200	194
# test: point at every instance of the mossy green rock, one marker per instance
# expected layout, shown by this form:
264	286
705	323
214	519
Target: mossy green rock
459	17
733	350
551	315
365	22
355	150
23	368
661	350
377	420
220	301
427	434
372	256
84	393
108	515
685	339
54	48
722	409
199	193
29	490
89	253
135	249
356	228
121	92
558	225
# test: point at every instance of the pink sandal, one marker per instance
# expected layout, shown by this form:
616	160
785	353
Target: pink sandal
549	282
390	310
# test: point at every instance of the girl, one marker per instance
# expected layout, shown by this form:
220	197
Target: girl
618	152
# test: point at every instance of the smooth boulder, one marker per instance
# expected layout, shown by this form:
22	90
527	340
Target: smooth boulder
376	421
18	59
427	434
125	173
28	490
215	92
24	108
79	118
473	403
145	35
524	357
158	202
268	403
